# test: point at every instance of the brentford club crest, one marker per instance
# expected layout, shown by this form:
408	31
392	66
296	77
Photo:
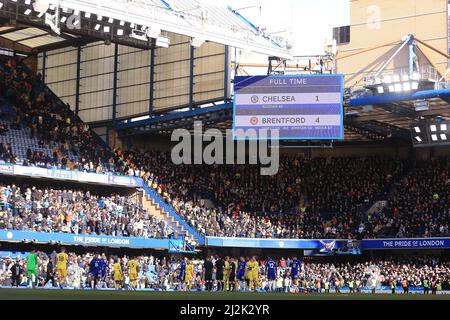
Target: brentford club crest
254	120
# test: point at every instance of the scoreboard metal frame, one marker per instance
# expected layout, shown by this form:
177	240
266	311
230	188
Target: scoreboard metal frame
340	136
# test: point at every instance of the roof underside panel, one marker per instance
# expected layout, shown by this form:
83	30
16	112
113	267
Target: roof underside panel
24	34
41	41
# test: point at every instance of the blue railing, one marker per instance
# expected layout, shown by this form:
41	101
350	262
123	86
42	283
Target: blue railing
171	211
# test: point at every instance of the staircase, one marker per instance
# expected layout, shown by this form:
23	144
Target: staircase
155	205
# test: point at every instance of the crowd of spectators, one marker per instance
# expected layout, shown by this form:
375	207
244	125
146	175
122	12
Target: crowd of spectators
164	273
76	211
419	205
6	153
50	121
308	198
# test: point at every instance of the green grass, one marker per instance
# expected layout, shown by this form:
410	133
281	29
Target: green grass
42	294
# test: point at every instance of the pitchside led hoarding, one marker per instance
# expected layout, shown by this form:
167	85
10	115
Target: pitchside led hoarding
299	107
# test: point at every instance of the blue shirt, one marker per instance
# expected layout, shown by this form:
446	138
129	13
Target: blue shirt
95	265
241	268
295	267
271	267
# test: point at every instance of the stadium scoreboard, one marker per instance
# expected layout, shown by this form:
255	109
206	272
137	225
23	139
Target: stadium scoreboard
299	107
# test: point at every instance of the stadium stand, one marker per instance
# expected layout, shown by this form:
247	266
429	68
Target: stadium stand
76	211
308	198
41	130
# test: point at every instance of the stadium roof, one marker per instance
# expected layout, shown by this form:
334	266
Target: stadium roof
29	40
152	19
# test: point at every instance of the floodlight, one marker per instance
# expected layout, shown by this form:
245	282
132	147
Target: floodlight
443	136
377	80
444	127
28	2
416	76
120	32
99	18
391	88
433	128
418	139
380	89
406	86
153	33
122	23
396	78
63	19
398	87
415	86
1	5
387	79
197	42
434	137
87	15
163	42
417	129
97	27
136	34
27	12
110	20
106	28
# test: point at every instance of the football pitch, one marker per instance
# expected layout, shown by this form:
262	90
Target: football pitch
54	294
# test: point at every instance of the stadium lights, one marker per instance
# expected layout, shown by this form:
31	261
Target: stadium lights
120	32
106	29
443	137
97	27
1	5
138	35
197	42
416	76
434	137
153	33
63	19
418	139
110	20
122	23
417	129
387	79
87	15
380	89
444	127
99	18
27	12
433	128
162	41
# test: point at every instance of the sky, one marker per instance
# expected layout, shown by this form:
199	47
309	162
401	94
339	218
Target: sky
308	22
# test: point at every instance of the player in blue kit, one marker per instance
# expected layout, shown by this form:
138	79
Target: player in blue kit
271	271
241	274
182	274
95	269
295	271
